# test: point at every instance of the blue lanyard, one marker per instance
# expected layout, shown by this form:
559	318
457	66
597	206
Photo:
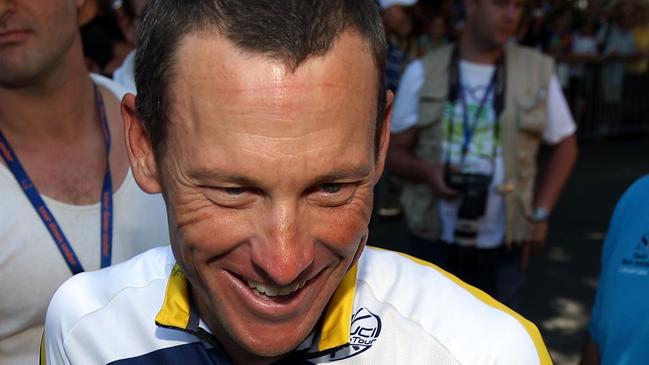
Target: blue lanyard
106	216
496	86
469	130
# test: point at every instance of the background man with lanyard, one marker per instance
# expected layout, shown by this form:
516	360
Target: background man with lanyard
466	127
69	202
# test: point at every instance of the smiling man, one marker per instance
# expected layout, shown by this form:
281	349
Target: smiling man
264	125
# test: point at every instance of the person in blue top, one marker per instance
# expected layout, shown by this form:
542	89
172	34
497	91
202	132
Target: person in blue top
619	326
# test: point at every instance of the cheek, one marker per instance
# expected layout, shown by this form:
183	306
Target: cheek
214	229
57	20
203	230
345	227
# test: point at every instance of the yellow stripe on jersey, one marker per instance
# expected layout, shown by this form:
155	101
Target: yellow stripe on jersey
337	321
541	350
42	360
175	309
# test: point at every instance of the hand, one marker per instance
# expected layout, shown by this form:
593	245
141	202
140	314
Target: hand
535	243
437	183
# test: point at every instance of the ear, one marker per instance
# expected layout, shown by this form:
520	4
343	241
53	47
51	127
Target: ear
384	140
138	146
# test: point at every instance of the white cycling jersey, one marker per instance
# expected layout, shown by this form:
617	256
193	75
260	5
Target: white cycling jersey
389	309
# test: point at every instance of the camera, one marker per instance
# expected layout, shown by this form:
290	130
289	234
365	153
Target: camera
475	191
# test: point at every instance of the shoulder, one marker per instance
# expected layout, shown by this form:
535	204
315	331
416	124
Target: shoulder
438	58
90	292
412	77
124	74
632	203
116	89
631	209
528	53
639	189
440	52
531	62
471	325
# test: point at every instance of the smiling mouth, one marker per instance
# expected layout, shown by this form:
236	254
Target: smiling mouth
277	293
274	291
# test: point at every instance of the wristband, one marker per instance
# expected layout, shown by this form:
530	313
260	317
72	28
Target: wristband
539	215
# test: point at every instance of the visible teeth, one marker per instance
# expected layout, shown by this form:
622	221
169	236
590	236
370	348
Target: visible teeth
272	290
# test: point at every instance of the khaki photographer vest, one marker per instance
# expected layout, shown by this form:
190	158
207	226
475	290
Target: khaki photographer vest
522	121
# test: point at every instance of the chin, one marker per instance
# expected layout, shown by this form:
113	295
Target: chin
497	42
275	344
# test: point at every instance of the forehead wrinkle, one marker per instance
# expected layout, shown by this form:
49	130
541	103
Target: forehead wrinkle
275	112
261	109
272	87
206	69
295	144
282	137
296	154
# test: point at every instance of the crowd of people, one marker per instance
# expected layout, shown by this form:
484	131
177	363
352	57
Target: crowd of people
228	203
601	48
602	54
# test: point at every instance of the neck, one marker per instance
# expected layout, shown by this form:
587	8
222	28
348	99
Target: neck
475	51
233	350
57	105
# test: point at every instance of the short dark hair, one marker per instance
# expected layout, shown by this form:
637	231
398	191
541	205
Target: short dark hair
289	31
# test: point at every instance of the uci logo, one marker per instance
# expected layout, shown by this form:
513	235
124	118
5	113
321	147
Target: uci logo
366	327
365	330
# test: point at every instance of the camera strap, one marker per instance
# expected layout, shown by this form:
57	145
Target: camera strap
457	93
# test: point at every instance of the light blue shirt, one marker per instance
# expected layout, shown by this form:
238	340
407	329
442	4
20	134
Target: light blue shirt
620	319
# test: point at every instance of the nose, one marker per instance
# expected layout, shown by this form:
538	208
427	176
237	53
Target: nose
282	252
7	7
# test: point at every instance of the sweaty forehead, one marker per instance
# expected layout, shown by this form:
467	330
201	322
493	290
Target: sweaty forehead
219	86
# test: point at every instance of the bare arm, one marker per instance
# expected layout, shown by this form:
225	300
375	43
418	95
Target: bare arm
403	163
590	353
563	156
555	175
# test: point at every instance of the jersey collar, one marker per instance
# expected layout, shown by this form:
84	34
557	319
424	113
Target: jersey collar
332	331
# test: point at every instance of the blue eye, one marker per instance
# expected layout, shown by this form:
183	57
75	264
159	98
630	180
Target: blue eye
331	188
234	191
333	194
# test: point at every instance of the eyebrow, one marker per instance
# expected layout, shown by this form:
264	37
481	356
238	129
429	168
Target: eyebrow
345	172
342	172
203	174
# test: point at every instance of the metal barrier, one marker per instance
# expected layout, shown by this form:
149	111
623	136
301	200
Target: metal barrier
605	98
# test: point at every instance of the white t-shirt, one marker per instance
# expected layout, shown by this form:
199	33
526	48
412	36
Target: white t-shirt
125	73
475	79
31	266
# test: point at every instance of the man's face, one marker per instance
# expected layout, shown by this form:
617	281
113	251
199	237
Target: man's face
438	29
397	20
34	36
268	177
494	21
